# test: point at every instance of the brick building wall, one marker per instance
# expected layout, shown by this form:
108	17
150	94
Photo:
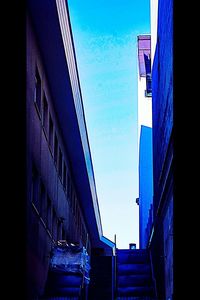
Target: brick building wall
53	210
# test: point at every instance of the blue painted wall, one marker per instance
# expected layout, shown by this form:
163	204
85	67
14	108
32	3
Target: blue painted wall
145	181
162	93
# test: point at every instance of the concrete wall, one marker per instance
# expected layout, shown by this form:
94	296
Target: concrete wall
144	106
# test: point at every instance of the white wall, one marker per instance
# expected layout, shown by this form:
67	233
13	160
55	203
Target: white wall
154	17
144	106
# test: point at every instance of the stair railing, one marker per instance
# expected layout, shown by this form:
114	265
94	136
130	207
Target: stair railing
152	274
83	295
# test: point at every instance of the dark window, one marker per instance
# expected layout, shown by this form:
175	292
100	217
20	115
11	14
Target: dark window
64	176
50	132
63	234
68	186
45	114
59	230
80	227
43	202
54	225
148	92
56	149
147	59
75	206
35	187
84	237
78	220
38	90
49	214
72	200
60	164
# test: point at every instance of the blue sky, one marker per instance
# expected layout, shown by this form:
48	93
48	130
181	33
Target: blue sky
105	37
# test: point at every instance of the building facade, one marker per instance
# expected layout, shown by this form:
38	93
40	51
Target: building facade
161	240
145	139
145	185
61	194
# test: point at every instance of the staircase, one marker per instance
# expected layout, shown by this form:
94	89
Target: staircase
64	287
134	278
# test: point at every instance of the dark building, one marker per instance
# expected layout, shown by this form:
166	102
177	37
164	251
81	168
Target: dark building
61	194
161	239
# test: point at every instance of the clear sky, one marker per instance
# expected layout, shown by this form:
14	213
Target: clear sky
105	37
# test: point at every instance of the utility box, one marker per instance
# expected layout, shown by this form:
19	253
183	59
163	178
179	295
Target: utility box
132	246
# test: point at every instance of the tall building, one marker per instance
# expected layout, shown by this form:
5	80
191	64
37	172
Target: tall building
61	194
161	241
145	139
145	186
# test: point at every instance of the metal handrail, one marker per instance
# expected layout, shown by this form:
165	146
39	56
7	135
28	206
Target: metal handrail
115	268
82	284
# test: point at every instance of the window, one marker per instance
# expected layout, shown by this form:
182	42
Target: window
69	188
55	149
72	199
148	92
60	164
54	225
78	220
81	228
84	235
35	187
64	176
38	90
45	114
147	60
43	202
75	206
49	214
63	234
59	230
50	132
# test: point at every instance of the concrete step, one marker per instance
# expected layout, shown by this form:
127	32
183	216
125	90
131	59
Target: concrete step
136	291
134	280
63	292
133	269
132	251
135	298
63	280
61	298
134	258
